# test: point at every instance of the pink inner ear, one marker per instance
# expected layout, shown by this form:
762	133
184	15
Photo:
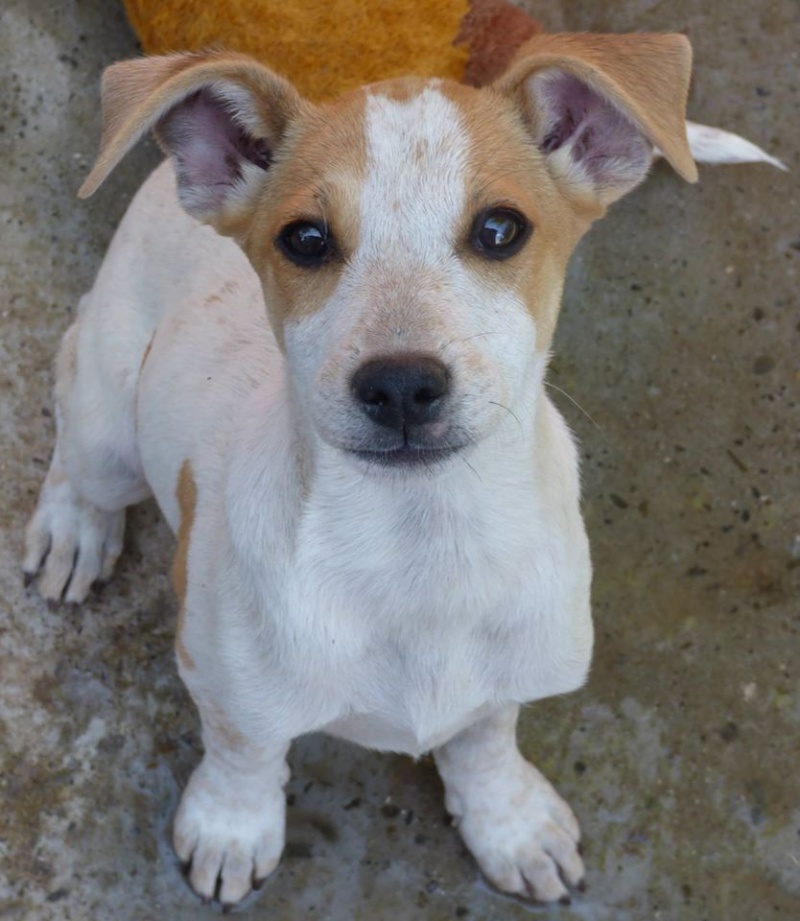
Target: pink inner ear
209	147
608	146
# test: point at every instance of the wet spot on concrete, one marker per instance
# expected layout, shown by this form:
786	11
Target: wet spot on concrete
57	895
297	850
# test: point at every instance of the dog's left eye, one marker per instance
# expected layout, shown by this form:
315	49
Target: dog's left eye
500	232
305	243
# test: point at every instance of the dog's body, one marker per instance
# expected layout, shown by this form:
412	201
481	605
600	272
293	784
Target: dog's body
336	593
401	570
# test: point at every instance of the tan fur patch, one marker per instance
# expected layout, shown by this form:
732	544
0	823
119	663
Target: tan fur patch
225	735
318	176
230	287
186	494
403	89
506	170
646	76
136	94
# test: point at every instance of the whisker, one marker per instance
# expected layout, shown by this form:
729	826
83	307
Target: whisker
573	400
510	411
475	336
480	479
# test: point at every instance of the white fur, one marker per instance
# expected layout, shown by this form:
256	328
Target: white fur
400	610
518	828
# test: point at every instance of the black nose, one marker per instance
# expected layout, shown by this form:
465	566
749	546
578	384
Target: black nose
403	391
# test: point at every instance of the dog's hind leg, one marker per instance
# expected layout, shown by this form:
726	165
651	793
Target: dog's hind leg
76	532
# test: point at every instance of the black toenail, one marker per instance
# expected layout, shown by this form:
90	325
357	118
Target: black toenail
27	579
565	900
582	887
218	888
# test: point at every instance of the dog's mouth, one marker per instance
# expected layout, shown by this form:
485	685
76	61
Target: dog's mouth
407	455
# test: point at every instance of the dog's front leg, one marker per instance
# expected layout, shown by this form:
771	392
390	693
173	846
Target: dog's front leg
523	835
230	825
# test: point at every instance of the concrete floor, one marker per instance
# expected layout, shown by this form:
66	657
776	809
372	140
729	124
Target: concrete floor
680	338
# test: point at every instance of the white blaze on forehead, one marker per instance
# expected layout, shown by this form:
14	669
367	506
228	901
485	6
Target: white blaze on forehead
414	195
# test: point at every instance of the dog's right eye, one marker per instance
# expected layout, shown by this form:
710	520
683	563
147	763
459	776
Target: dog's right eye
305	243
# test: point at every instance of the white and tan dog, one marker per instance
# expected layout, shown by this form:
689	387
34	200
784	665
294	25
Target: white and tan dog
343	418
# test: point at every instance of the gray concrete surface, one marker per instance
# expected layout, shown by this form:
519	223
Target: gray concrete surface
680	338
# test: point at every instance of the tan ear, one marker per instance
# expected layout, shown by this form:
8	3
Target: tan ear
597	105
220	116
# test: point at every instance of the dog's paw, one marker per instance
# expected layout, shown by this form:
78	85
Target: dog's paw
70	543
523	835
229	837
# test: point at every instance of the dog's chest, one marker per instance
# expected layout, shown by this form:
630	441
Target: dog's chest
414	631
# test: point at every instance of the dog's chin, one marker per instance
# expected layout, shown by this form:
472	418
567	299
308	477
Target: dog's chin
405	457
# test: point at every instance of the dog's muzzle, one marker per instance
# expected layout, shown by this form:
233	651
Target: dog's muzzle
405	398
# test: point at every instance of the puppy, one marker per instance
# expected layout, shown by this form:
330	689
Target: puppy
319	338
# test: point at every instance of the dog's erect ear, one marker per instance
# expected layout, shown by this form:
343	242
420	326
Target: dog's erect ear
220	116
597	105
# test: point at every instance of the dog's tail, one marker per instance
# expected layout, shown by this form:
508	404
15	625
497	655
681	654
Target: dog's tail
713	145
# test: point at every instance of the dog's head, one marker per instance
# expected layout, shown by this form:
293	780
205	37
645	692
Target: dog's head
411	238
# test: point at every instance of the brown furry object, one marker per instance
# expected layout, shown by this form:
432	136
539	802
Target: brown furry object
326	47
493	30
